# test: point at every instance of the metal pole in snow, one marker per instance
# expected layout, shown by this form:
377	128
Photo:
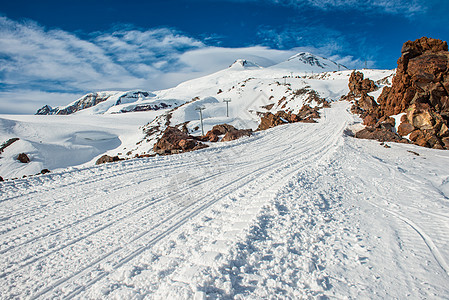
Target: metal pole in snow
227	100
200	109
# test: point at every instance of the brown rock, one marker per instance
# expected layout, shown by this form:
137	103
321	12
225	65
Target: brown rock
359	86
45	171
107	159
420	116
445	141
236	134
23	158
370	120
174	141
366	102
221	129
269	120
405	129
416	134
382	135
186	144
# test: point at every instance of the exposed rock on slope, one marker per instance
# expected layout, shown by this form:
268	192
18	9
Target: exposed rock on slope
230	133
420	89
23	158
87	101
174	141
307	114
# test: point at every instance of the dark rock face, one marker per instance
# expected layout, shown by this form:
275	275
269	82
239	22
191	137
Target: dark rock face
87	101
23	158
1	179
7	144
174	141
45	171
45	110
107	159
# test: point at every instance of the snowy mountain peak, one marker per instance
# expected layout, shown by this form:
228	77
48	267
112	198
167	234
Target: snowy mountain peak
244	64
100	102
310	59
308	62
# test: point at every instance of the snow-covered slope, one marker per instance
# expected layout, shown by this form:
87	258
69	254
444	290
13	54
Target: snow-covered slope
243	64
299	211
308	62
60	141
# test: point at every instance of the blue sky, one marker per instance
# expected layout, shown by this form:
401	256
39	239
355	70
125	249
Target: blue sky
52	52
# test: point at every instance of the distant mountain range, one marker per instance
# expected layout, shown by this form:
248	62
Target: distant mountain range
132	101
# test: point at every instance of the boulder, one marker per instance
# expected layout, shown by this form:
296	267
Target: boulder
370	120
107	159
366	102
420	116
381	135
269	120
221	129
45	171
236	134
306	114
405	129
1	179
174	141
23	158
359	86
187	144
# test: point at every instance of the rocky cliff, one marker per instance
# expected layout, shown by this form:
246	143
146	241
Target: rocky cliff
420	90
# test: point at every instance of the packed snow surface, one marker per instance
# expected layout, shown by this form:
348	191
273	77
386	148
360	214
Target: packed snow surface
297	211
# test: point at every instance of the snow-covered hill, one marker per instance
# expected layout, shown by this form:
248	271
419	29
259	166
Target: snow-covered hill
79	139
308	62
298	211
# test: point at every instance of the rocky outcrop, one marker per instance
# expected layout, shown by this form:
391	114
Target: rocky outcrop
228	132
306	114
1	179
45	171
236	134
363	104
107	159
379	134
420	89
359	86
23	158
7	144
174	141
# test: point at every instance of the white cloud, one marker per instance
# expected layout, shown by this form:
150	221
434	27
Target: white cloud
401	7
39	66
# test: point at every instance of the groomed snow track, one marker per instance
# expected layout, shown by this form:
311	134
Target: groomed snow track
159	227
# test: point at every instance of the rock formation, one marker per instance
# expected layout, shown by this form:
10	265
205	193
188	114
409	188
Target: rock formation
174	141
306	114
420	90
23	158
106	159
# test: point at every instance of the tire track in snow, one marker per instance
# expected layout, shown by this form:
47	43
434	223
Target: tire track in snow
289	156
